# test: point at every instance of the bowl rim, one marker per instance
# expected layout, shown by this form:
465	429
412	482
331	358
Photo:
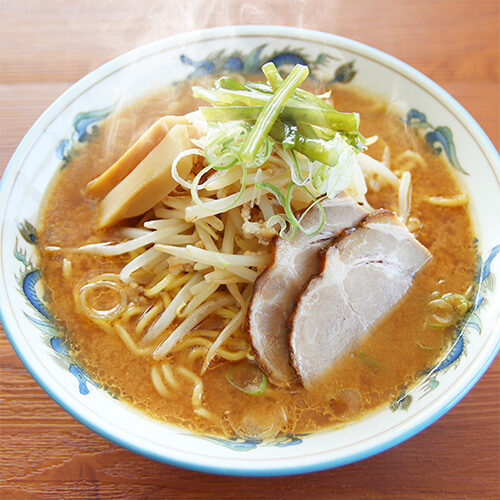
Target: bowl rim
277	32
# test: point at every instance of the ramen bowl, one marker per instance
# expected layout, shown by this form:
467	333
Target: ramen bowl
75	117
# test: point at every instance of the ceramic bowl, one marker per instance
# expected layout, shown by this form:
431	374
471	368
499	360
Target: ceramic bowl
74	118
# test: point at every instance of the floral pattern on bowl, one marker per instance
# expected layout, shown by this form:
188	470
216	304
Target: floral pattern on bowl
247	64
28	280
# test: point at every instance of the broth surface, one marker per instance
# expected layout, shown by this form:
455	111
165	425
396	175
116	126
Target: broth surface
386	362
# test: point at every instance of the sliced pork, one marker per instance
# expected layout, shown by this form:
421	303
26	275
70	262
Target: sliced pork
365	273
277	288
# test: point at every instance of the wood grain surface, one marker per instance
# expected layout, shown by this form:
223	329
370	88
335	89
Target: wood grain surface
47	45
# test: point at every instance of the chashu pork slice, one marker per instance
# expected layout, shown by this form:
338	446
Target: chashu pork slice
365	273
277	288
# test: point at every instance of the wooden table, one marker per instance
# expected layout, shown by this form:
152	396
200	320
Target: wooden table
46	46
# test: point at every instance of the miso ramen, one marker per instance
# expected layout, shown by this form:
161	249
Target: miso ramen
152	288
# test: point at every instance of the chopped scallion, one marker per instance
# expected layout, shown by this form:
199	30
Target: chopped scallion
368	360
247	378
424	347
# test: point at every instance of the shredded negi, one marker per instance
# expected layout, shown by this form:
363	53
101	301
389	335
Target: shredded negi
249	120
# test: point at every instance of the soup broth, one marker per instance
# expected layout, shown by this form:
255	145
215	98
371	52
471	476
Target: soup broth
387	361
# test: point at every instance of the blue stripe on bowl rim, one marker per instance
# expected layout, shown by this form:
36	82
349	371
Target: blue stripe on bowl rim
333	41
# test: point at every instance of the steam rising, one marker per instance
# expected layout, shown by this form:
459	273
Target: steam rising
159	19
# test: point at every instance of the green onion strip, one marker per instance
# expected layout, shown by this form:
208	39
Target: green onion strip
271	111
279	219
368	360
285	202
425	348
273	76
297	222
274	190
233	372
